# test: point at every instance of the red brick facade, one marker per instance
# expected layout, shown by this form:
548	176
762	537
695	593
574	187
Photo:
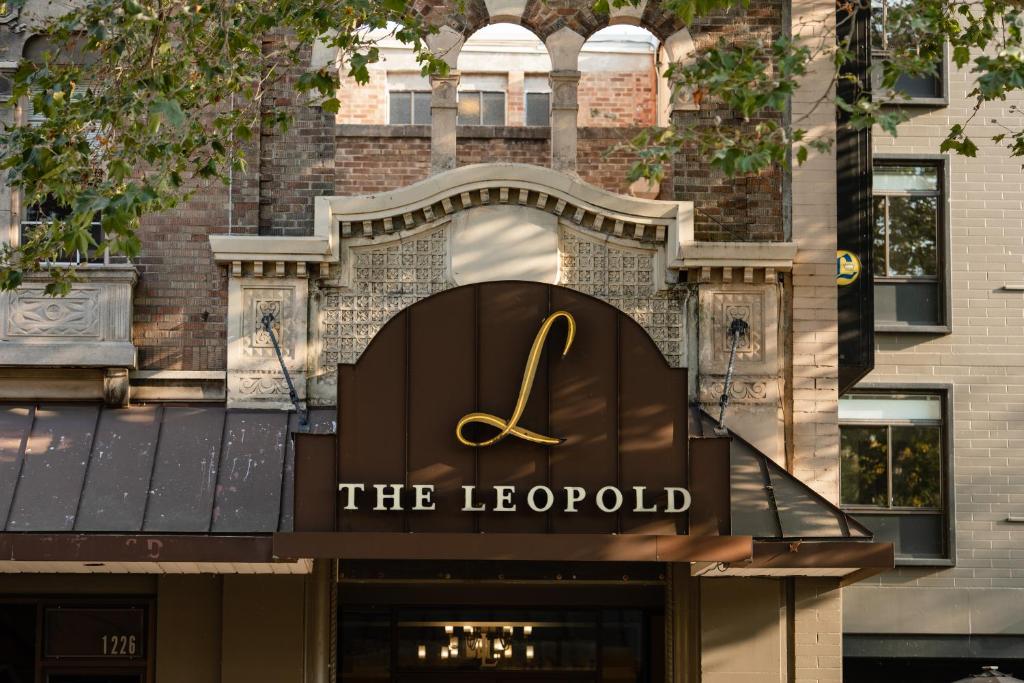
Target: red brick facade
181	297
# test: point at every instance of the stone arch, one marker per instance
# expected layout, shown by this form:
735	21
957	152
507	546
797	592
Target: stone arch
439	13
545	17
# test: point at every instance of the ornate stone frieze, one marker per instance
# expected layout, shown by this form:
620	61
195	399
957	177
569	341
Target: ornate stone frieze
741	389
624	276
33	313
386	279
90	327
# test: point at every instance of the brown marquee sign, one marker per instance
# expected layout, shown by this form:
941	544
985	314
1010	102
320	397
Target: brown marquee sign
540	498
447	441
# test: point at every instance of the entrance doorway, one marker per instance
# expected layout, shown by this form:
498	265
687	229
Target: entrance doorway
496	645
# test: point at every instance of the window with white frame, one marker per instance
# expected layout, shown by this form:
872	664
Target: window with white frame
409	98
37	215
482	99
886	35
909	232
893	467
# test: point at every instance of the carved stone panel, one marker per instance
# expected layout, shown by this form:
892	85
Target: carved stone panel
90	327
757	305
33	313
255	377
624	275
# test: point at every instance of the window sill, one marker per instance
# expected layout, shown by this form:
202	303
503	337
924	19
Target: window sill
913	329
924	562
350	130
919	102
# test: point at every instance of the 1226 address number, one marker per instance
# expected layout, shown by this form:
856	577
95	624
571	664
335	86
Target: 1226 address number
119	646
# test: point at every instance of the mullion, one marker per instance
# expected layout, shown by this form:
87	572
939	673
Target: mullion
888	464
885	202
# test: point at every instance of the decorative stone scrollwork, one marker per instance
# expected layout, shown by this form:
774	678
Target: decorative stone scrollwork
36	314
742	390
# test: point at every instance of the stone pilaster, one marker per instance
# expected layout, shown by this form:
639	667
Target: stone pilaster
444	113
564	112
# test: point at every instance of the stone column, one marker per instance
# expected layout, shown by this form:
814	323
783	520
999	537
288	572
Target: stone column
444	112
564	112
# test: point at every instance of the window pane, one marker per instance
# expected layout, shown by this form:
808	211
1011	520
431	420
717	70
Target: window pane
469	108
925	85
905	178
909	303
878	245
400	108
538	105
877	26
494	108
421	108
913	224
884	407
916	466
862	474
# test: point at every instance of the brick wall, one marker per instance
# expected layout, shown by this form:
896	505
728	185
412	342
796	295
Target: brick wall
181	297
817	631
180	312
374	164
364	104
815	360
297	165
614	98
983	359
604	161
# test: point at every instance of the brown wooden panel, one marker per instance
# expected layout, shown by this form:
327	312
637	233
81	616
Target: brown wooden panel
73	547
316	474
652	428
465	350
534	547
372	399
442	373
508	320
584	410
711	512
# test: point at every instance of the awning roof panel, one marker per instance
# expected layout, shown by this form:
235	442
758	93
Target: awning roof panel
770	503
53	468
187	460
117	480
147	469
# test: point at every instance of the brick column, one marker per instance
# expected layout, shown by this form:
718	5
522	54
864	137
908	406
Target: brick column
815	366
444	113
564	112
818	631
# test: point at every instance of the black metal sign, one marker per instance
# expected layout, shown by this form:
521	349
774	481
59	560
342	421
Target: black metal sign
108	633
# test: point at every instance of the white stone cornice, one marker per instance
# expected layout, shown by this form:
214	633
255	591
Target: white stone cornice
549	190
271	256
739	259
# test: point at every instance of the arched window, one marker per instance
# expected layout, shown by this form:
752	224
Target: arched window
504	78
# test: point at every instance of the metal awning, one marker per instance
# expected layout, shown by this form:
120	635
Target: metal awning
84	483
796	531
151	483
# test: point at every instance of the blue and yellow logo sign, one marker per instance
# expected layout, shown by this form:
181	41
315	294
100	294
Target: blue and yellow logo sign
847	267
